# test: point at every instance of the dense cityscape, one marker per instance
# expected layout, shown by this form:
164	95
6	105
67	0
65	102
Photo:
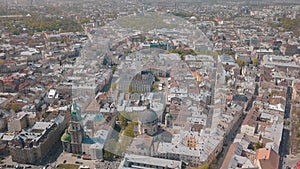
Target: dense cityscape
146	84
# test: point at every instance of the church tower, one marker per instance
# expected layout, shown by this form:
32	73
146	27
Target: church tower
72	138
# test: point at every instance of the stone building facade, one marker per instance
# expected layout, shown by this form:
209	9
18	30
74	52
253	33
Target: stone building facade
33	145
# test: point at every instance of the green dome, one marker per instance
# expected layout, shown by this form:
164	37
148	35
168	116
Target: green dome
169	116
98	117
66	137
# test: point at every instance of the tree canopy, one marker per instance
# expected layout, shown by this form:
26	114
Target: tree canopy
183	52
38	24
258	145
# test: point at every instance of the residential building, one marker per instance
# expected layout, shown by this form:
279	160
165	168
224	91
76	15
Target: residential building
193	148
142	145
32	145
21	121
249	125
266	158
235	158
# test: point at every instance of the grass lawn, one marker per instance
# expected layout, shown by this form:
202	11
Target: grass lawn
68	166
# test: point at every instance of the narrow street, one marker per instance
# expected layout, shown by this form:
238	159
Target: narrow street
285	139
228	140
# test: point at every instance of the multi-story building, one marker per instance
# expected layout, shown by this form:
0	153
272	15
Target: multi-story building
4	115
236	158
21	121
266	158
142	145
142	82
31	146
250	124
193	148
139	161
296	90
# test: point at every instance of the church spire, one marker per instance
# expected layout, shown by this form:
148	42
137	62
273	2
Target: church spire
75	112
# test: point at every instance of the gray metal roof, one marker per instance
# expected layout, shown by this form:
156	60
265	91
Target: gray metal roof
147	116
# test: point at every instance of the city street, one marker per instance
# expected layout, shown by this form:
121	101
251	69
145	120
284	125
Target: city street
229	140
284	144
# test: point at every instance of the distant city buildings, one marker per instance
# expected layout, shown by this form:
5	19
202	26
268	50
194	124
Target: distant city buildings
217	84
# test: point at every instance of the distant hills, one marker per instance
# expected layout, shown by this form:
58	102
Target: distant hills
44	2
230	1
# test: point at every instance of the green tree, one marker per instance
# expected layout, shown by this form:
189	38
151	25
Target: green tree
130	88
108	155
258	145
1	61
183	52
154	87
231	52
183	14
240	62
129	130
114	86
148	106
255	61
205	166
156	78
114	68
272	93
123	119
13	107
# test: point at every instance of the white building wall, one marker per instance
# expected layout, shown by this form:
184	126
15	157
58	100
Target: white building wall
86	148
249	130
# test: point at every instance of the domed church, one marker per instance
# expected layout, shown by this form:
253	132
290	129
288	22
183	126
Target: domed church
148	122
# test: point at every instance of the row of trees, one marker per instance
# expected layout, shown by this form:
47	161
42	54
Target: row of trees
183	52
242	63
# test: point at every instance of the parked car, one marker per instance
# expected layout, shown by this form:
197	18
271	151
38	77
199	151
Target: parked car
77	162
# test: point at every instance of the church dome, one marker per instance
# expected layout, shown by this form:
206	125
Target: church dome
147	116
66	137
